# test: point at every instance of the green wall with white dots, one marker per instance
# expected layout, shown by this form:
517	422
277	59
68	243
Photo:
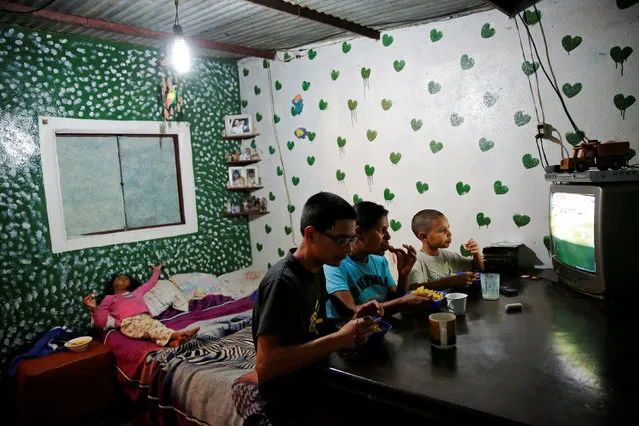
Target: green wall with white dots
59	75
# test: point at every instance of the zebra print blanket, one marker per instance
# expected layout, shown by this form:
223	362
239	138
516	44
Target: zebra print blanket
200	383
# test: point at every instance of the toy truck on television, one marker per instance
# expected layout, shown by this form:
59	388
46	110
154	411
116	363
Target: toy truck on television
604	156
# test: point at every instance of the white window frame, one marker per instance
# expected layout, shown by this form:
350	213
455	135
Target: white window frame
50	126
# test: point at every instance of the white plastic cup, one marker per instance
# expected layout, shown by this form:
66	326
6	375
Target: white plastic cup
456	303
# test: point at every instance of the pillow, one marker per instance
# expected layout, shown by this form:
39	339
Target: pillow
195	285
163	295
240	283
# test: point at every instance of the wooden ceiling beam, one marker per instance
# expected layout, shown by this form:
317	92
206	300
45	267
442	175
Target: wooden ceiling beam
313	15
98	24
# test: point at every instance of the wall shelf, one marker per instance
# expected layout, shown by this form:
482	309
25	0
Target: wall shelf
244	188
242	162
247	214
239	137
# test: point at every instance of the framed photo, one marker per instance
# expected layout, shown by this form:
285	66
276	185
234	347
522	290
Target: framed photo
252	176
237	177
236	125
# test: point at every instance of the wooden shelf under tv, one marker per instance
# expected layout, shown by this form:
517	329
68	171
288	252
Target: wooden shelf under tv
242	162
244	188
237	137
247	214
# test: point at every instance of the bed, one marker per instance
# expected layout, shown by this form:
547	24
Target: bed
210	380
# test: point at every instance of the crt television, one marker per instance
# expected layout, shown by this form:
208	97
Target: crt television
594	230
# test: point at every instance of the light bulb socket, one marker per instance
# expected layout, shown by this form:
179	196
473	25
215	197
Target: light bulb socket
177	31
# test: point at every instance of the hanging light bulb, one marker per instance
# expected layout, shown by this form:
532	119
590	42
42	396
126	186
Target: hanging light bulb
179	50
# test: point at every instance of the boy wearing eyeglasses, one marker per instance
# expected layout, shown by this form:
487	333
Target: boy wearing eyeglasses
289	316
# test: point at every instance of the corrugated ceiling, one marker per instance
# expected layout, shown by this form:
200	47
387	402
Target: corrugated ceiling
238	22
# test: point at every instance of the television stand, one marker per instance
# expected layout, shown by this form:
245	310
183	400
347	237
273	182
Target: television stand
596	176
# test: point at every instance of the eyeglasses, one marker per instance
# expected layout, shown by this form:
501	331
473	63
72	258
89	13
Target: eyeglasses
341	241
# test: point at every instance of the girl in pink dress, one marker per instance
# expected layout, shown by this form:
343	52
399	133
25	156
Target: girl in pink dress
124	302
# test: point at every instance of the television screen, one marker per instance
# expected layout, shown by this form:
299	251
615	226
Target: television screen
572	225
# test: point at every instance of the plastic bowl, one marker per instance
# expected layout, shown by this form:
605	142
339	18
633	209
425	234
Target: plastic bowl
377	336
477	281
434	306
79	344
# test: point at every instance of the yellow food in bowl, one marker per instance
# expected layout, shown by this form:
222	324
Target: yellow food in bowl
79	341
437	296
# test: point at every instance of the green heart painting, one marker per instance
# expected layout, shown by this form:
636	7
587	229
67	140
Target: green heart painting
434	87
421	186
466	62
435	146
529	161
571	90
369	170
487	31
500	189
395	157
388	195
436	35
462	188
456	120
399	65
575	138
485	144
521	220
532	17
521	119
483	220
570	43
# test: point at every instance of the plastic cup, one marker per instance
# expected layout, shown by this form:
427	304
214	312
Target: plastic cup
490	286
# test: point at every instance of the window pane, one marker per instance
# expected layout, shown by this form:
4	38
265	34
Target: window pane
90	184
150	180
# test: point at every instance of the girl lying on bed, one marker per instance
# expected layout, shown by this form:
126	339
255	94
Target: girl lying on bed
123	301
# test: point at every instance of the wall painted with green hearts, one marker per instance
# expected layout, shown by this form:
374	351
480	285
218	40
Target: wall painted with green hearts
439	116
44	73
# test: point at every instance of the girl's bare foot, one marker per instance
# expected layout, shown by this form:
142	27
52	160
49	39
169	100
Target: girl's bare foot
190	333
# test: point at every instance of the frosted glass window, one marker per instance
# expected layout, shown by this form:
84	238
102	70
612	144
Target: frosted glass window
115	183
90	184
151	193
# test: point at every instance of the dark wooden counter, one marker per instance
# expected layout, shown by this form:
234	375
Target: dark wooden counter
564	360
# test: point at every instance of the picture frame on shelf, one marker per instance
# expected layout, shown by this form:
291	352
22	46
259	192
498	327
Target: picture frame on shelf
252	176
237	177
238	125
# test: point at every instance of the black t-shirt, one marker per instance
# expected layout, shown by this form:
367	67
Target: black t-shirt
291	304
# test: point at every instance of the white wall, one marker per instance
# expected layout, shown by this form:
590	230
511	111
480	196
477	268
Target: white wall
497	70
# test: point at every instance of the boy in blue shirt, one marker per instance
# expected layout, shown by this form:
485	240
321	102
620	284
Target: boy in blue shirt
362	284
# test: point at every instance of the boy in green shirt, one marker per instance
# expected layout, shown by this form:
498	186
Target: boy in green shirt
434	266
